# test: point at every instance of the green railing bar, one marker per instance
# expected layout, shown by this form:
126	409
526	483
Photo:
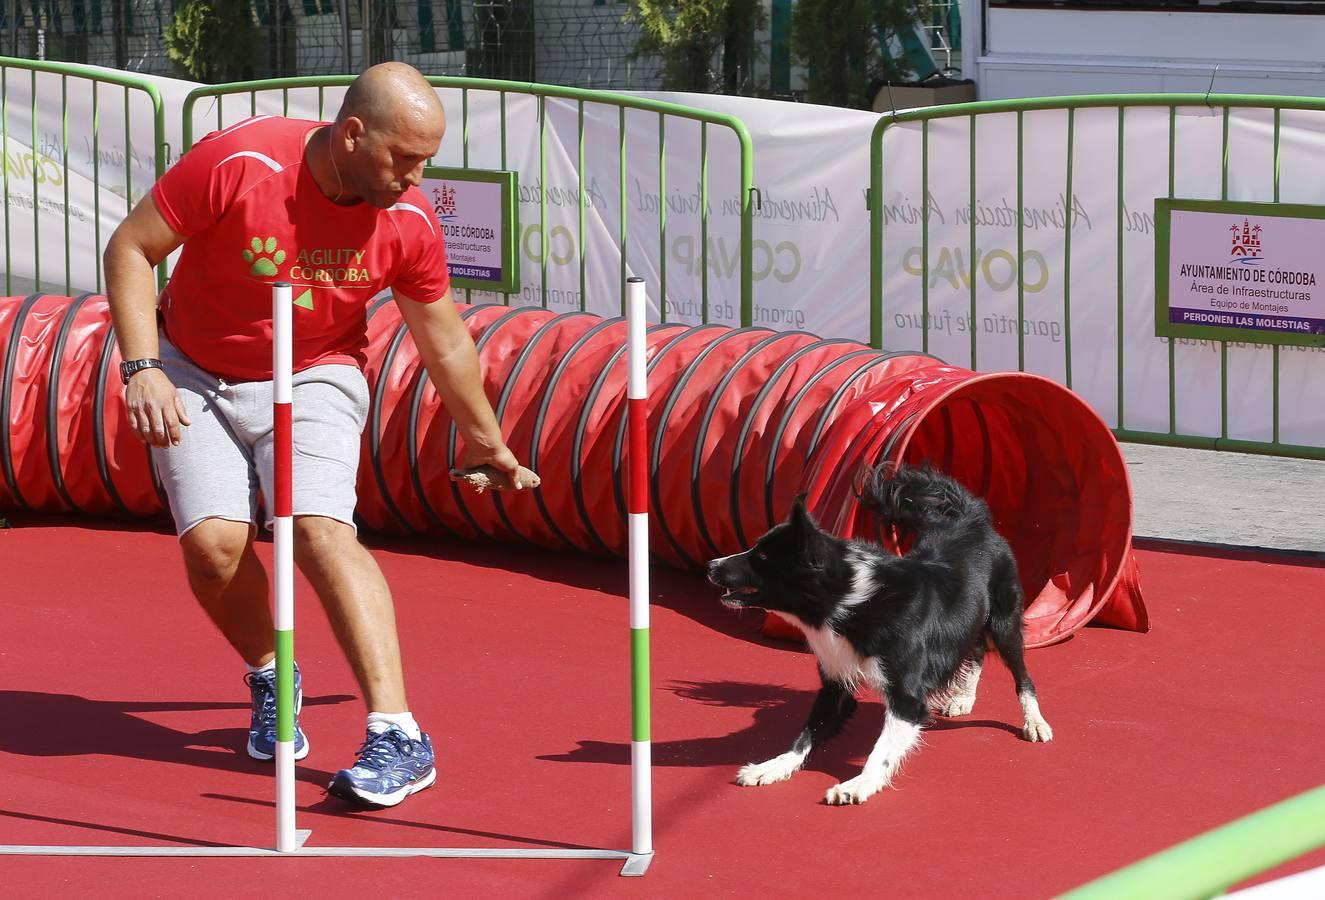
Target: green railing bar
64	160
1223	345
1223	156
1173	342
220	101
506	298
1209	863
1274	433
970	262
96	176
1096	101
464	127
320	100
253	104
579	175
1205	442
1122	335
464	158
92	73
159	169
704	220
924	236
662	218
4	148
36	200
747	226
285	101
1067	251
544	241
874	200
1021	249
128	158
621	130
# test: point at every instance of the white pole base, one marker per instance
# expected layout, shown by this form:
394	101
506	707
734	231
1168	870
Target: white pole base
636	865
634	861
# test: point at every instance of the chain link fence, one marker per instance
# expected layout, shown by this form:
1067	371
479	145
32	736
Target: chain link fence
584	43
575	42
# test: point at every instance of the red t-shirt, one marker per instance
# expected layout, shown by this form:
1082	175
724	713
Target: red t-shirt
252	215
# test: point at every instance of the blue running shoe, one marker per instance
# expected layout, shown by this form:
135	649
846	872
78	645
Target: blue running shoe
262	725
391	766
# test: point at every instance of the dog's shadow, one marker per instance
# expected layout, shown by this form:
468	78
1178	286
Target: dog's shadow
779	714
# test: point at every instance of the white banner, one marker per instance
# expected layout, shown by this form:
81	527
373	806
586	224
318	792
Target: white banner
72	175
997	297
1104	282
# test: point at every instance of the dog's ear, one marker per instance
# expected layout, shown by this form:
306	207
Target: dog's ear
799	515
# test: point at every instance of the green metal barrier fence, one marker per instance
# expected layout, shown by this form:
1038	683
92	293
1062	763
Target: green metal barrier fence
49	177
973	113
582	98
1208	864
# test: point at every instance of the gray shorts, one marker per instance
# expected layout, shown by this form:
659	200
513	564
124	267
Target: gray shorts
225	456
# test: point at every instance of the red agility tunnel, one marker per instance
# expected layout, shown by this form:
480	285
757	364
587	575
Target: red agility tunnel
740	421
66	446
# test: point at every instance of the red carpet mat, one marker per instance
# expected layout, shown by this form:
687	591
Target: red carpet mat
124	718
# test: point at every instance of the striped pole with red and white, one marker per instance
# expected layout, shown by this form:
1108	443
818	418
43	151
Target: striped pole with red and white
282	364
637	394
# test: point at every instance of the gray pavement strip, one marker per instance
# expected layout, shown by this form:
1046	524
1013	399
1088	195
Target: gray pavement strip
1218	497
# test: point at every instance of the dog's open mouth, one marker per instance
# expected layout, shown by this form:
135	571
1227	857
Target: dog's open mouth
739	597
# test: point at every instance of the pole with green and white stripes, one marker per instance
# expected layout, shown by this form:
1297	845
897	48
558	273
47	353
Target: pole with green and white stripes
638	553
282	365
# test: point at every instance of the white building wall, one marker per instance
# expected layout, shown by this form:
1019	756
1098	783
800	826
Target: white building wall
1046	52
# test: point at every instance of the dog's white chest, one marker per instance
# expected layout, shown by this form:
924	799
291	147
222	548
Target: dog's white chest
841	662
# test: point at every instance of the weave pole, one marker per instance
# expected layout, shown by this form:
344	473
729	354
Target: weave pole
291	842
637	393
282	363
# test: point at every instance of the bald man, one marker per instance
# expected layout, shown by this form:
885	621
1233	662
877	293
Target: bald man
334	209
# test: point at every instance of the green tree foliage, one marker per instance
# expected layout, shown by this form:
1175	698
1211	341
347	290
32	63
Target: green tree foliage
849	45
212	40
706	46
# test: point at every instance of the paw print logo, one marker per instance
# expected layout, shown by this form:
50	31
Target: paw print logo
265	258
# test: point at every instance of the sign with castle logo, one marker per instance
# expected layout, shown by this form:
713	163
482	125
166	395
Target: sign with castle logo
1240	271
477	212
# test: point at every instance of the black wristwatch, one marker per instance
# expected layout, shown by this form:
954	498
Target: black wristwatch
129	367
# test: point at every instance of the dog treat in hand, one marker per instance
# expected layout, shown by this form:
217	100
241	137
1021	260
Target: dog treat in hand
481	478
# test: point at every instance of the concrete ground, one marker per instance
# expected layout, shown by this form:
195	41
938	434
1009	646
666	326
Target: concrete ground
1228	498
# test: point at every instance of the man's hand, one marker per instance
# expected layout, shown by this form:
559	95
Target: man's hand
497	469
155	409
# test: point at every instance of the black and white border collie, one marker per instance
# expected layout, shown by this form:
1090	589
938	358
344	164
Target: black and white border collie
914	628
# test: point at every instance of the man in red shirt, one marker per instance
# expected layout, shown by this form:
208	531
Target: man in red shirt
335	210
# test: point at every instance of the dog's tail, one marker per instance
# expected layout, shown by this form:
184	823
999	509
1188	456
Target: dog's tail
913	497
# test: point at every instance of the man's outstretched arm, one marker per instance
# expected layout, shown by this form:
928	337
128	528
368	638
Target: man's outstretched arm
448	353
141	241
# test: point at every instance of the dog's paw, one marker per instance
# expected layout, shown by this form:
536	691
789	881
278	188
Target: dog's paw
779	768
958	705
855	790
1037	730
